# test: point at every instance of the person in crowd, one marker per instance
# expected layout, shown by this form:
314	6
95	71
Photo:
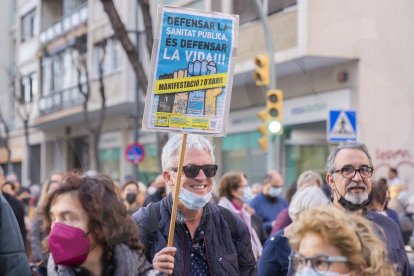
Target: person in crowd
379	202
328	241
291	191
151	189
257	189
383	181
395	203
349	169
8	187
269	202
306	179
130	191
89	232
35	190
393	176
142	193
235	194
36	235
12	177
56	176
16	206
276	251
208	239
24	195
13	260
160	192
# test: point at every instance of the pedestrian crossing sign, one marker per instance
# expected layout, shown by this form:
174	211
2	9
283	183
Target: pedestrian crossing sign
342	126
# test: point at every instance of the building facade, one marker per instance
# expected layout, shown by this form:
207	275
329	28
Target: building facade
329	55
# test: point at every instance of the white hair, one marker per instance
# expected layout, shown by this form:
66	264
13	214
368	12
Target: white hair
306	198
309	177
171	150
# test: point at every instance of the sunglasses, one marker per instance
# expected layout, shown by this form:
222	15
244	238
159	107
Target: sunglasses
192	171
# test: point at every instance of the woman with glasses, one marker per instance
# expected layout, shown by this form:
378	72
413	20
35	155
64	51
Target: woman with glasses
330	242
276	251
235	194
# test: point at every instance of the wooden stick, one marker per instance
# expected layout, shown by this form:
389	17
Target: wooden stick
177	192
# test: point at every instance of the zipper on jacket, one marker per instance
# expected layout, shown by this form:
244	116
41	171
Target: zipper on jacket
184	246
208	260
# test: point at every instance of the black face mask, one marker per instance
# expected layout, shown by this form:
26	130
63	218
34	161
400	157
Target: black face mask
131	197
26	201
160	191
348	205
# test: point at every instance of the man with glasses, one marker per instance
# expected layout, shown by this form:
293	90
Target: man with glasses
349	170
208	240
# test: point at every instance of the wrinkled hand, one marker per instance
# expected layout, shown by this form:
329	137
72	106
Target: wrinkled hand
164	260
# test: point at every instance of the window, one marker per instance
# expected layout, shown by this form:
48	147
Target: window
248	11
113	57
29	25
28	88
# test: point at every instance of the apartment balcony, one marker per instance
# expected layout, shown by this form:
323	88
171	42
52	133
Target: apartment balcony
68	22
60	100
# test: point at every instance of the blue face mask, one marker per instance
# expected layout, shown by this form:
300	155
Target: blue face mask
275	191
307	271
247	195
191	200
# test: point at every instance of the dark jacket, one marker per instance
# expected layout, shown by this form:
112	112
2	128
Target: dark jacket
222	255
13	260
395	244
18	211
275	256
126	262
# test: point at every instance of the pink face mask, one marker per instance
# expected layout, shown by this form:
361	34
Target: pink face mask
69	245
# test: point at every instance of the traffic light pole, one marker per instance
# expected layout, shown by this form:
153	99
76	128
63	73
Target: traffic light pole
270	160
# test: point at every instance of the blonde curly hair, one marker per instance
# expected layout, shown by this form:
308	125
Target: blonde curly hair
353	235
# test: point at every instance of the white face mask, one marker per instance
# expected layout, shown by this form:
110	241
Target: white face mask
307	271
191	200
275	191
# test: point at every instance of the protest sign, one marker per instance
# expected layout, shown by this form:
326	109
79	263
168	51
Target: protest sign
191	72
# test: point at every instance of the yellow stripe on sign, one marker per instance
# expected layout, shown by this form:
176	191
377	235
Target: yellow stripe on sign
190	83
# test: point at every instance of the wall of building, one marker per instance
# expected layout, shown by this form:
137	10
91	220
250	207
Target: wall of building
379	34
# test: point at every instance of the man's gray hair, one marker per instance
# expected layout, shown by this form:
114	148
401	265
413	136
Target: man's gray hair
171	150
306	198
309	177
330	163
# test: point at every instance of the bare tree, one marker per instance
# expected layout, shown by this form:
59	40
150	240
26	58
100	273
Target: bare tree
84	89
133	57
4	141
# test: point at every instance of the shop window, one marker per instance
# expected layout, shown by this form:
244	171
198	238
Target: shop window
148	169
242	153
110	162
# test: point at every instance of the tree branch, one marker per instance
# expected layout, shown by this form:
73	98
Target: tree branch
122	35
145	8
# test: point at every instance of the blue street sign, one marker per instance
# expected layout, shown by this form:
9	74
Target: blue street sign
342	126
134	153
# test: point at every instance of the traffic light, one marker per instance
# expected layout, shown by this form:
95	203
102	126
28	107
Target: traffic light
261	76
274	100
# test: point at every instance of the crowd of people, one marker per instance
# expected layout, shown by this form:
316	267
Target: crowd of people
79	223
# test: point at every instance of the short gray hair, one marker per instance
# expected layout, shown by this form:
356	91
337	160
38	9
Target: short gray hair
330	163
170	152
306	198
308	177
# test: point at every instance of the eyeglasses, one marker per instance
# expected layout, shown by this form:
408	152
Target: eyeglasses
350	172
320	263
192	171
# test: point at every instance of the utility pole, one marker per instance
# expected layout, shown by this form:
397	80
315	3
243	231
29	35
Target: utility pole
135	168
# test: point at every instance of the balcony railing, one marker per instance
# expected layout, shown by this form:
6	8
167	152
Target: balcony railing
65	24
60	100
